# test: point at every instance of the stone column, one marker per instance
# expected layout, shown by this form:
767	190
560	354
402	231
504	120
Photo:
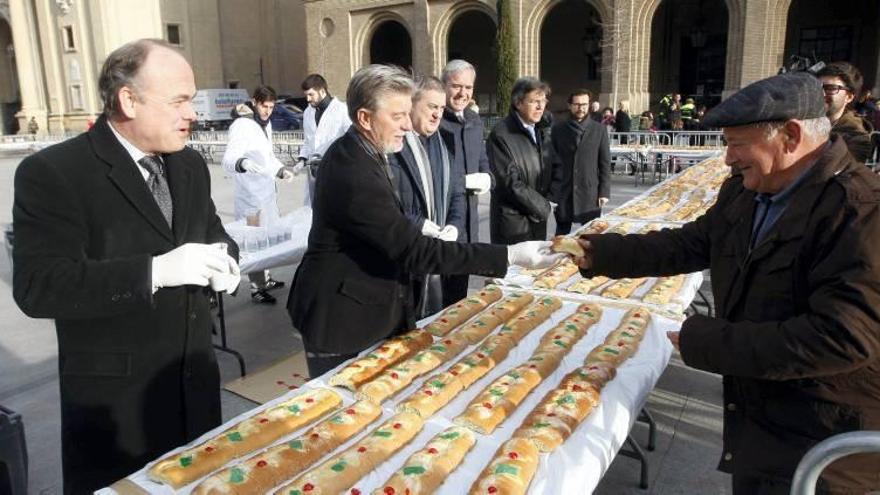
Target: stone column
29	65
756	41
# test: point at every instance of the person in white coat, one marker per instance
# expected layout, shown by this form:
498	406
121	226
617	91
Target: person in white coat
251	162
324	121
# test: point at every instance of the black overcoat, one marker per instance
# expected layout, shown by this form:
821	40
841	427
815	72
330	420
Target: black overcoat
581	169
353	285
137	370
469	156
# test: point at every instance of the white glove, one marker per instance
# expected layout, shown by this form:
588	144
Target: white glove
227	282
285	174
300	166
553	205
430	229
533	254
449	233
479	182
190	264
254	167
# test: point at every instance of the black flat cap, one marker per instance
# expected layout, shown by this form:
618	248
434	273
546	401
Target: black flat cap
794	95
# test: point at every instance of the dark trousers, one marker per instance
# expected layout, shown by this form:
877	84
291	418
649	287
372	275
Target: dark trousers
563	226
744	484
318	365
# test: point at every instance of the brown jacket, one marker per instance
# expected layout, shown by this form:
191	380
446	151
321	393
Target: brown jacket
797	336
856	131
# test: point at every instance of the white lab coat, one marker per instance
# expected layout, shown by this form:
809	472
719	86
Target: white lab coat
253	192
334	123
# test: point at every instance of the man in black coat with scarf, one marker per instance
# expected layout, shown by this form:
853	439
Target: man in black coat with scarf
353	287
581	165
112	239
519	151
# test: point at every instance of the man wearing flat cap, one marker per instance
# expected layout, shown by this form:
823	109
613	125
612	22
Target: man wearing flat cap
796	279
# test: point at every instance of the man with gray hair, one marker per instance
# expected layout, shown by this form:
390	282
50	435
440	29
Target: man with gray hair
113	239
519	154
791	247
469	156
353	287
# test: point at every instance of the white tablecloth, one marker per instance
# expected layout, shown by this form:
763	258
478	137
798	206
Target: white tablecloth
575	467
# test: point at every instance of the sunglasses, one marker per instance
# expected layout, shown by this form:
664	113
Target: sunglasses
833	89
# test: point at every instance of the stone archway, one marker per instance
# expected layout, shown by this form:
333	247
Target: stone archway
390	43
847	30
688	50
10	96
471	37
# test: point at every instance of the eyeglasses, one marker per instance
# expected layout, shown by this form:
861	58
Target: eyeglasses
833	89
536	103
580	105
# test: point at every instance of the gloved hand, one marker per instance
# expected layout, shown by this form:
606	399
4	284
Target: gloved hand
300	165
449	233
227	282
190	264
602	202
285	174
430	229
479	182
533	254
253	167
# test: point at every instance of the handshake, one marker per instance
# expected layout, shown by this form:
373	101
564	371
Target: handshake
197	264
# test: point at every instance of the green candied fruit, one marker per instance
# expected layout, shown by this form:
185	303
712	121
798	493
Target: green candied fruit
438	348
452	312
547	300
295	409
337	420
449	436
236	475
565	399
339	466
627	334
437	384
383	434
372	356
571	327
234	436
514	375
413	470
536	358
506	469
480	323
496	392
560	344
295	444
469	362
294	492
540	424
186	460
475	301
612	351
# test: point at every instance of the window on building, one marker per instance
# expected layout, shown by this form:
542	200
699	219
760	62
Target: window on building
68	38
827	43
76	97
234	84
172	34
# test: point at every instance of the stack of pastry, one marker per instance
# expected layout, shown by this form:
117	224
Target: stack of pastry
423	472
463	310
340	472
552	421
587	285
251	434
623	288
281	462
390	352
398	377
556	275
500	398
441	388
664	289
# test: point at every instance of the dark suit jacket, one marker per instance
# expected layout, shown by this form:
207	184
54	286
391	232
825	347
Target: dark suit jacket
581	169
521	167
797	331
138	373
353	285
408	181
469	152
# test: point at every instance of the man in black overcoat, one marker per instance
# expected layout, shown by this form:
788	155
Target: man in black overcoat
112	239
581	165
353	287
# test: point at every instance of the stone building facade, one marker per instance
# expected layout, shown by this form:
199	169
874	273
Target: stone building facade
633	50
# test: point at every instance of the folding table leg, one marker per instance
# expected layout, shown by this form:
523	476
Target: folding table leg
222	347
638	454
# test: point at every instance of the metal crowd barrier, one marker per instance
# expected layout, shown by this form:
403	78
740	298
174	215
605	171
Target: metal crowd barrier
212	144
683	139
827	451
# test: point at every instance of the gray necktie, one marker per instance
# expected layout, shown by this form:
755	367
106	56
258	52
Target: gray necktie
158	185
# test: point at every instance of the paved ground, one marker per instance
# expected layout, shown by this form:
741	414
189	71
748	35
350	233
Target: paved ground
686	403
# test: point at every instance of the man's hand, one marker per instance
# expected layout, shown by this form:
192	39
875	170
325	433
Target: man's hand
602	202
430	229
285	174
533	254
674	338
227	282
479	183
449	233
585	261
190	264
